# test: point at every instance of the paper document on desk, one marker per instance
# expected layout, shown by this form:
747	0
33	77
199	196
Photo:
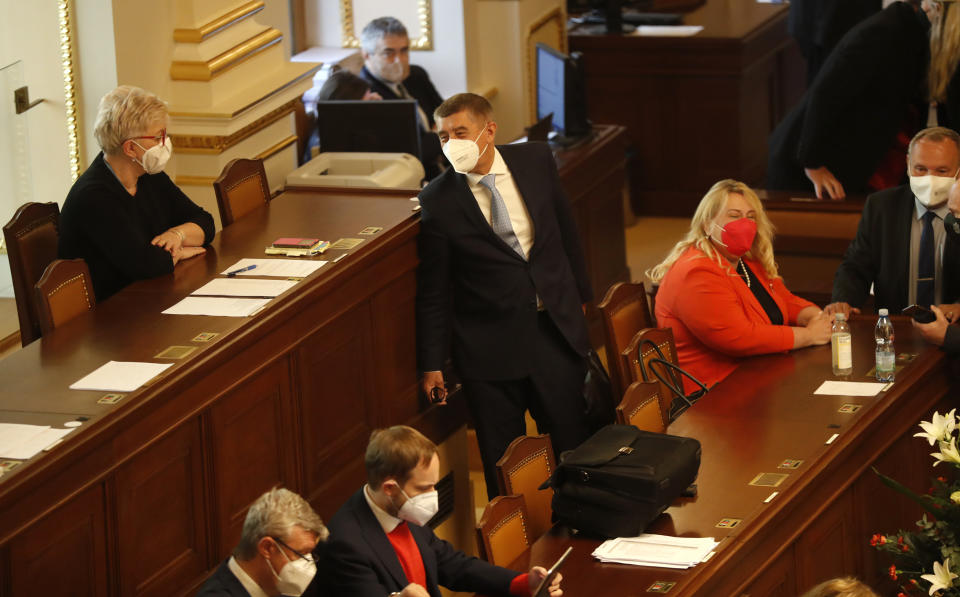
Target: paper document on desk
659	551
215	306
668	30
26	441
278	268
240	287
120	376
850	388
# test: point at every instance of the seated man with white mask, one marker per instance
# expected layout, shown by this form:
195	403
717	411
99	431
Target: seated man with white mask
379	545
901	247
274	556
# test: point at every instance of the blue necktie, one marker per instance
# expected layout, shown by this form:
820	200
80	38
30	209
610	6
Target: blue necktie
926	263
500	217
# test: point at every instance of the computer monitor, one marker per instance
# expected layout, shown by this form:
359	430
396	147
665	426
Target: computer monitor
561	92
389	126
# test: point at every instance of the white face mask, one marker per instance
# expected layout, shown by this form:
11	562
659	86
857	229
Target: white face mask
155	159
295	576
392	71
464	153
931	190
419	508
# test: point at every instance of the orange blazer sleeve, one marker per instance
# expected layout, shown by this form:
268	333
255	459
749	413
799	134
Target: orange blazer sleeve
711	309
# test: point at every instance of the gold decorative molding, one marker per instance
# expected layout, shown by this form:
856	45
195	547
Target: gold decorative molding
219	24
64	23
275	149
184	70
351	39
214	144
194	181
187	113
558	16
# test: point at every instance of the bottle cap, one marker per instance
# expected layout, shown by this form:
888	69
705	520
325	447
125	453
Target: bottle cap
883	312
839	316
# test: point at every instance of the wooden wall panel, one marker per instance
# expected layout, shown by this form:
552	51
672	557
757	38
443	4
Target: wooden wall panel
161	515
779	579
251	449
65	552
394	334
827	548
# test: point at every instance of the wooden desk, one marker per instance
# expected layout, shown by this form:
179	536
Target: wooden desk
149	494
819	523
697	109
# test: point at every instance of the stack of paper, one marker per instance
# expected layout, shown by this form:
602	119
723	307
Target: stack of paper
120	376
26	441
279	268
656	550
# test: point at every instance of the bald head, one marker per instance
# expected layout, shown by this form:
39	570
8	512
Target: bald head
953	200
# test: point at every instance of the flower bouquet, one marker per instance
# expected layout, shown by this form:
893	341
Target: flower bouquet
926	560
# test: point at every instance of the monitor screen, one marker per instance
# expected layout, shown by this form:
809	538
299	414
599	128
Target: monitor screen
550	86
388	126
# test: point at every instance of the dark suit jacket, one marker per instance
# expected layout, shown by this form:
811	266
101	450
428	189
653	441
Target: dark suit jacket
818	25
419	85
358	559
471	282
222	583
849	117
880	254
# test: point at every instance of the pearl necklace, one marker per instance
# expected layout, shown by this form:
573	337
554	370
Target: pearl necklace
745	275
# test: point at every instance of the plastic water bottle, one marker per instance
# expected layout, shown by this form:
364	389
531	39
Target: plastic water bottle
841	344
886	356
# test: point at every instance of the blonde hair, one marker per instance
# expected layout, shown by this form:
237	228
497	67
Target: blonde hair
274	514
394	453
841	587
126	112
944	48
710	206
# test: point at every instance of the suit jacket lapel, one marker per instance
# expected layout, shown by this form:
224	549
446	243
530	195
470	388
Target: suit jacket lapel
906	212
377	539
528	194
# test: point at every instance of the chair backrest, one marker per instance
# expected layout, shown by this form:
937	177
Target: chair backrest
640	407
624	311
64	291
31	237
241	188
631	360
502	533
526	463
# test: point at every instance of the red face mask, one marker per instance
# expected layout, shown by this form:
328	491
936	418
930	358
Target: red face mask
738	235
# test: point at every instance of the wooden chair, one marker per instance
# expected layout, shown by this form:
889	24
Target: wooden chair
64	291
624	311
502	533
31	237
663	338
640	407
241	188
526	463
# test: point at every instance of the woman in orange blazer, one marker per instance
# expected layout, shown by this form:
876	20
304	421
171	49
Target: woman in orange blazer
721	294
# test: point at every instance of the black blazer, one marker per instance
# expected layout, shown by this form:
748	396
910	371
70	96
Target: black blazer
880	254
222	583
848	118
472	283
358	559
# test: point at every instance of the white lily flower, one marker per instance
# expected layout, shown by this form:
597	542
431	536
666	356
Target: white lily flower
947	453
940	428
941	578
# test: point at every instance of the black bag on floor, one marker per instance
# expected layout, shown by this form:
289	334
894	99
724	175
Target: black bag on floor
620	479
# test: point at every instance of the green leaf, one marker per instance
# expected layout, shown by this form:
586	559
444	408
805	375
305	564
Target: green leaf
900	488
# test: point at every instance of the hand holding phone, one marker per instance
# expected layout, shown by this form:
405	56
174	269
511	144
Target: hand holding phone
920	314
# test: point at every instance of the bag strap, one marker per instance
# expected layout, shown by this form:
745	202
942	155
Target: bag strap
660	355
681	402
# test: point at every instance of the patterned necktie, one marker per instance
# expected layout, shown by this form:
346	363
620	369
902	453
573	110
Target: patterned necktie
500	217
926	263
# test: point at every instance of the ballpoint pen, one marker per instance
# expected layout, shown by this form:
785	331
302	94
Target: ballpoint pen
242	269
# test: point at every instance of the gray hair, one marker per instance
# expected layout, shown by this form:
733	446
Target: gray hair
377	29
274	514
937	134
126	112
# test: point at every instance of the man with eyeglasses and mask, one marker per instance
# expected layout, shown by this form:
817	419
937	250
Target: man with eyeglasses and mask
274	556
380	545
901	247
385	48
502	281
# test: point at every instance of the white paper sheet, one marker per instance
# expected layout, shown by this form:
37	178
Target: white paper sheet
668	30
120	376
850	388
217	306
244	287
23	442
279	268
656	550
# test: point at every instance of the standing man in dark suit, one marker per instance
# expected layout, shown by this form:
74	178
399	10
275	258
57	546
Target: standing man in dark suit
501	271
379	545
385	47
273	557
901	247
818	25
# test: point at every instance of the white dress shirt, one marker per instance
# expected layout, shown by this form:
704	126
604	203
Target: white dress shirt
248	583
519	216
